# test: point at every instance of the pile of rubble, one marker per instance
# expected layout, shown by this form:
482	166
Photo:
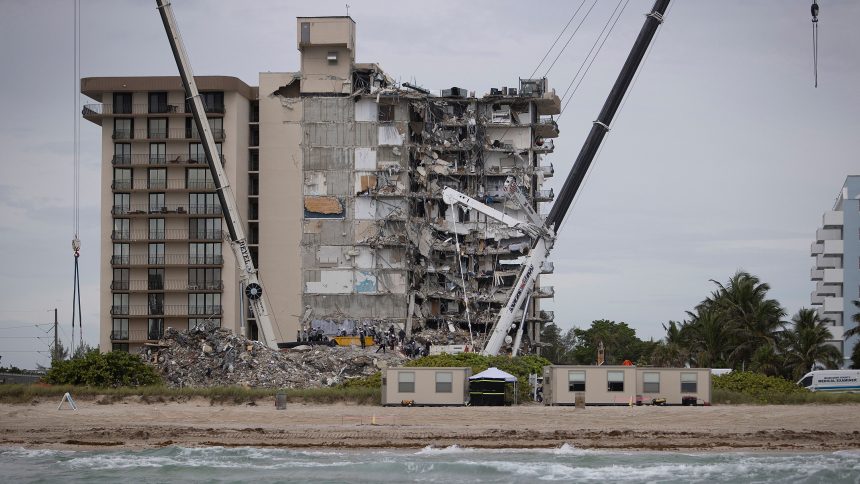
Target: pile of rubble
218	357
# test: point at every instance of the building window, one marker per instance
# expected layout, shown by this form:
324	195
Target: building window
122	153
122	128
615	380
306	33
204	228
204	253
120	229
156	128
156	303
650	382
157	178
119	347
156	229
156	203
120	254
158	102
253	160
119	330
122	178
121	203
444	381
120	305
216	126
156	253
157	153
576	380
122	103
253	184
155	328
120	280
406	382
199	179
213	102
204	304
204	204
155	279
689	383
208	279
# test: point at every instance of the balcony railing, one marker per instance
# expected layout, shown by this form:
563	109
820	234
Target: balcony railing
170	134
178	285
90	110
165	260
136	335
144	209
162	184
119	335
168	234
168	159
169	310
119	310
206	235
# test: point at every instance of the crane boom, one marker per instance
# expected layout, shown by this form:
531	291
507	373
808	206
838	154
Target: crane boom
545	236
248	273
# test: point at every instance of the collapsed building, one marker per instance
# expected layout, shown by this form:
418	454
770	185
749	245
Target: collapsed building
337	171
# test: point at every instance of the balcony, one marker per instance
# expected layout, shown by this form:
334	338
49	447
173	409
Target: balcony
166	235
833	219
816	274
543	145
161	135
170	285
542	317
544	195
828	262
828	234
834	305
816	248
99	110
547	170
544	291
145	310
165	260
834	247
160	160
834	276
139	184
170	208
135	335
816	299
547	267
546	127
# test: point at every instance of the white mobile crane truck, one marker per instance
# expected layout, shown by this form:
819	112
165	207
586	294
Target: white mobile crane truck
543	232
248	273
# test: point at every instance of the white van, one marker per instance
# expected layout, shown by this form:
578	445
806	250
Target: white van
831	381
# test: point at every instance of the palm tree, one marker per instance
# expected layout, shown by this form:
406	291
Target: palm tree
709	339
807	344
674	350
855	331
751	319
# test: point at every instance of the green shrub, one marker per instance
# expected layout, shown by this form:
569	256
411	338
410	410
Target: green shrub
754	387
114	369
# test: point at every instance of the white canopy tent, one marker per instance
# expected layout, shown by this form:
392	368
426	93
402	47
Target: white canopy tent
497	374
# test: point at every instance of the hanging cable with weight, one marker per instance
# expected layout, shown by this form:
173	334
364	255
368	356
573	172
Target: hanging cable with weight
814	11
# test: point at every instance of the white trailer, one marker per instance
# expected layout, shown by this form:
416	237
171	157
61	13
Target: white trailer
831	381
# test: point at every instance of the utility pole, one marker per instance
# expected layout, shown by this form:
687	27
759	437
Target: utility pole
54	353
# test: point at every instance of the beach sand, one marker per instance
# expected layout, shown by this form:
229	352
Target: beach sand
132	424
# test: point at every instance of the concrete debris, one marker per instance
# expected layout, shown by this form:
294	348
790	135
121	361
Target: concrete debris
201	358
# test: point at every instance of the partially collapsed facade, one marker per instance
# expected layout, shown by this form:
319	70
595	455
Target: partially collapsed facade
337	171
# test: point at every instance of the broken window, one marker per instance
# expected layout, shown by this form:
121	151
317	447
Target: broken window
306	33
386	113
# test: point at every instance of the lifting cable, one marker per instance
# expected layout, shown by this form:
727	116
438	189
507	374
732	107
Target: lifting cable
76	179
570	38
591	62
556	39
814	10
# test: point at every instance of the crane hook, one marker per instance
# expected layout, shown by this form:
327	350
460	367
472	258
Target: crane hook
814	10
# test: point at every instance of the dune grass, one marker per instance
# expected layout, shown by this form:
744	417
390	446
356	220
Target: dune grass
22	393
728	397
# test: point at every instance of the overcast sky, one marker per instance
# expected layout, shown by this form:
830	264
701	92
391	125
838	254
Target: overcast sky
723	156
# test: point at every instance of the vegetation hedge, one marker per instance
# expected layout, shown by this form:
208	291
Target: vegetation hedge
114	369
754	387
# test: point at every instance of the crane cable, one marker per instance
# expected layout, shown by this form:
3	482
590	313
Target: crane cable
557	38
76	179
570	38
814	10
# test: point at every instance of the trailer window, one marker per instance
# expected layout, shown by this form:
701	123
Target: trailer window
615	380
650	382
576	381
689	383
444	381
806	382
406	382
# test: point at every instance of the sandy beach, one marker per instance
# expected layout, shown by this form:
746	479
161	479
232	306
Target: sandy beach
135	425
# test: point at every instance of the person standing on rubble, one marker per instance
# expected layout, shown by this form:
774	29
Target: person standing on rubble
401	335
381	343
361	335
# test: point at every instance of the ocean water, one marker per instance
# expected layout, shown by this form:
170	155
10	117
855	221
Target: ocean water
445	465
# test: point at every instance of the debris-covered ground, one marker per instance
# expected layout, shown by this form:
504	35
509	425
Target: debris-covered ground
219	357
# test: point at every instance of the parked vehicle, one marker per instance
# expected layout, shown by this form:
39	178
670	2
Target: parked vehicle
831	381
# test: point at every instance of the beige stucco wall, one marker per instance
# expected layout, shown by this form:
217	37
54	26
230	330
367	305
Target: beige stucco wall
425	386
281	208
670	384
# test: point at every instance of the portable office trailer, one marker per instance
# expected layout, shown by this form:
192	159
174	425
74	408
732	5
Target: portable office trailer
621	385
426	386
